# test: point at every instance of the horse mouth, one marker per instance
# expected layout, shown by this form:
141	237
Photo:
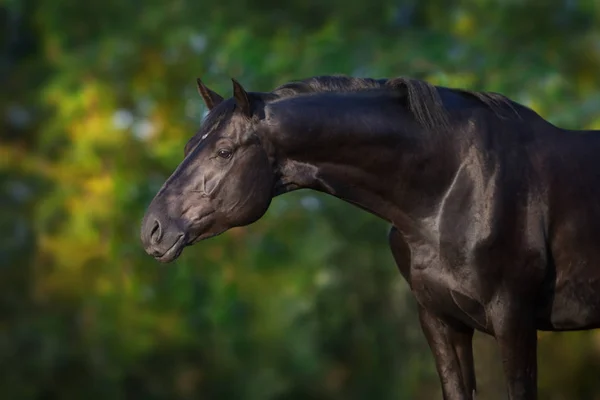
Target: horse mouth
173	252
184	240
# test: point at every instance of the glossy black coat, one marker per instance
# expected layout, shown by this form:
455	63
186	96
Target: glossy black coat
495	211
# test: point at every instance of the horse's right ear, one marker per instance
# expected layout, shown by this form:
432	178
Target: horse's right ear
211	99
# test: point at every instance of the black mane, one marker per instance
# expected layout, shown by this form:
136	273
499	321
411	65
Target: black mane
423	98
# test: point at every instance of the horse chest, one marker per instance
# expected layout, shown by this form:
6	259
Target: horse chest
449	291
455	290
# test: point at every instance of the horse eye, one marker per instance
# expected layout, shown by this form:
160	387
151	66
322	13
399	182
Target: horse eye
224	153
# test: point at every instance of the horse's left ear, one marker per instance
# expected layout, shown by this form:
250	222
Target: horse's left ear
211	99
241	98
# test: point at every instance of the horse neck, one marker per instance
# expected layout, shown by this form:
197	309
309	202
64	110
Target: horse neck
386	165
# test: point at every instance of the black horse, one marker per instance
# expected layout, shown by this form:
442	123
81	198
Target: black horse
495	211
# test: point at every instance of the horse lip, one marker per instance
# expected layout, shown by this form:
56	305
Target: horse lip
174	251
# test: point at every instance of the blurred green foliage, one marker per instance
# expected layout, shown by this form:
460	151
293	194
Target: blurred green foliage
98	99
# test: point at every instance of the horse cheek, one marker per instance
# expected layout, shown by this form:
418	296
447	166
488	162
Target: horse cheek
258	191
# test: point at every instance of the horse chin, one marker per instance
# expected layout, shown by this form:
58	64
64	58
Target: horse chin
174	252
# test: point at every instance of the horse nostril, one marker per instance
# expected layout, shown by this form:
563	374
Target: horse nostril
156	233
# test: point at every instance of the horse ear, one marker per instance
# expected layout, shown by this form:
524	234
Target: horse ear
211	99
241	98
